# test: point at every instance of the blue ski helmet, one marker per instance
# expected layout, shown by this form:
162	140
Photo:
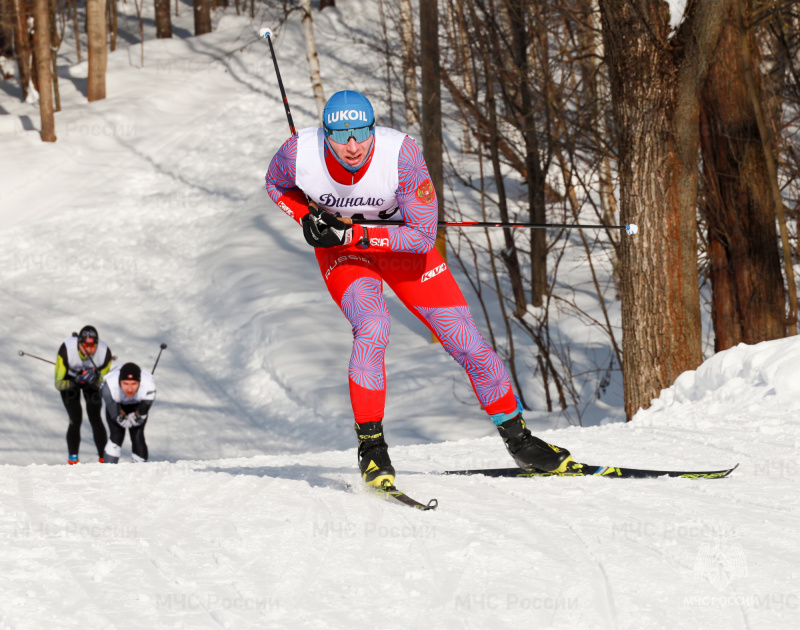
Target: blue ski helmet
348	113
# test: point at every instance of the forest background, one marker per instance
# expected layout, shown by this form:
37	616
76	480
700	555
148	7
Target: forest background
680	117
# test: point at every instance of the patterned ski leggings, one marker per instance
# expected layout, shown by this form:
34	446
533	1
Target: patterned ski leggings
423	283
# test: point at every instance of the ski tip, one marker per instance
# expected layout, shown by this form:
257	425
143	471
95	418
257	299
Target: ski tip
390	492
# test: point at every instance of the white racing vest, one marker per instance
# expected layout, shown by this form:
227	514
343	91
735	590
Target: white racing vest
372	197
75	364
146	391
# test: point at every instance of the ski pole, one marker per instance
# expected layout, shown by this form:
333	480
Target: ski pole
94	365
630	228
163	347
265	34
33	356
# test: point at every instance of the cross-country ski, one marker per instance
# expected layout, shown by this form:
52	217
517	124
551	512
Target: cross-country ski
588	470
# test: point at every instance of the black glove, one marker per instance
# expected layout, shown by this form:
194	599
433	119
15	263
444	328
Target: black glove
323	229
87	376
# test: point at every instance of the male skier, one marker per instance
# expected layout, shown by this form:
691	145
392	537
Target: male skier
352	169
128	393
81	363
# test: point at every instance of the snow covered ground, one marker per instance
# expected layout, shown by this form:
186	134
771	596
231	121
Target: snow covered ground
148	219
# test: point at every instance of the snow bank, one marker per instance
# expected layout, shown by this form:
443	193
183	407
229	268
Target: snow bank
770	368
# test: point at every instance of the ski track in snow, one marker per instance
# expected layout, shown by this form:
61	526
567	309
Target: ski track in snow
250	513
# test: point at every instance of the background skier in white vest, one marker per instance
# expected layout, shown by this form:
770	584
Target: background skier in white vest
82	362
352	169
128	393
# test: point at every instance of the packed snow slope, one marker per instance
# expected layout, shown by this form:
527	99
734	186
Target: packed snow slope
148	219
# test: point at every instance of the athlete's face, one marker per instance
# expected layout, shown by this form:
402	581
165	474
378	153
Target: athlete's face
352	153
89	348
129	388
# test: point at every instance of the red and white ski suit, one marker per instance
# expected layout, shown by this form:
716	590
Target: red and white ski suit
393	183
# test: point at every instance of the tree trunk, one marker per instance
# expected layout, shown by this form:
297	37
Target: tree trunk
312	57
432	106
388	58
75	28
163	22
534	175
22	44
96	30
324	4
139	4
55	44
6	29
748	296
409	63
655	86
463	57
112	24
432	109
509	252
202	17
41	43
591	39
768	147
724	305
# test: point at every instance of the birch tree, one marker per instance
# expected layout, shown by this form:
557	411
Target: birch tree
313	58
410	96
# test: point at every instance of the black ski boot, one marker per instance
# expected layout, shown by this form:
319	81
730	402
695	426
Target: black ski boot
373	455
531	452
